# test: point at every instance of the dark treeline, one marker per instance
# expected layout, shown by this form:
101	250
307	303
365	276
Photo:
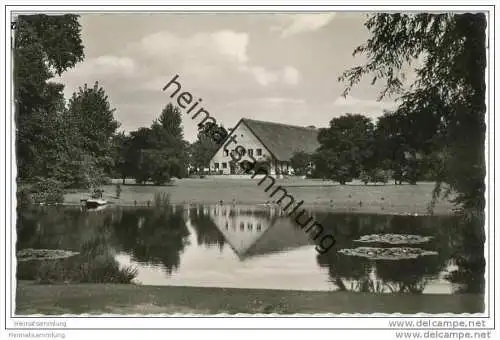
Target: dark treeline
59	144
399	146
158	153
449	89
449	92
154	154
74	143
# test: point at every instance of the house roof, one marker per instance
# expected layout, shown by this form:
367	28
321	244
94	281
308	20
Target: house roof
283	140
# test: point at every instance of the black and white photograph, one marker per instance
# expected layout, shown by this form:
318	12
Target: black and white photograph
214	165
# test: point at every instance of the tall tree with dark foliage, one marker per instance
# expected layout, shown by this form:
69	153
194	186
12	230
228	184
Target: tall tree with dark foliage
43	47
450	84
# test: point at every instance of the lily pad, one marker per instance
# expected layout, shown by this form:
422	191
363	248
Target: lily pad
394	238
398	253
29	254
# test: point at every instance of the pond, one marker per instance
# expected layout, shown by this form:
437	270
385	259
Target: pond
249	246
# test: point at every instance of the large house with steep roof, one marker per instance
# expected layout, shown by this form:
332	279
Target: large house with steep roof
262	141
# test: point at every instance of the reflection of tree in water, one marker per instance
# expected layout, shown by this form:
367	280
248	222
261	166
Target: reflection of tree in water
468	254
409	275
58	227
351	268
383	275
207	232
412	275
88	232
153	236
355	270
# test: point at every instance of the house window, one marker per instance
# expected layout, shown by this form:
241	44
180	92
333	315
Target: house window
226	153
259	152
242	226
216	165
250	152
224	165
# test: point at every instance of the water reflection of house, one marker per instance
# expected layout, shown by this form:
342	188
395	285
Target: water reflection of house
251	231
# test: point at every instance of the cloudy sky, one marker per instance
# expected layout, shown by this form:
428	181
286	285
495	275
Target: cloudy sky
274	67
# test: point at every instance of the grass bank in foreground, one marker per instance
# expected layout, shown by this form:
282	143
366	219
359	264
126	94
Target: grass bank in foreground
34	298
316	194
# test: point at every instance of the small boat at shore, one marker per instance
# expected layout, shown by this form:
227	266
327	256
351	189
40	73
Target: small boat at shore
93	203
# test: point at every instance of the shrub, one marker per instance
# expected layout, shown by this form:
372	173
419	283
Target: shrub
47	191
106	181
380	176
364	177
85	173
24	195
342	175
411	174
118	190
161	178
161	199
300	163
102	268
94	264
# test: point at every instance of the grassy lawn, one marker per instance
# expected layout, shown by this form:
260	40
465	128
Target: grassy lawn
386	199
131	299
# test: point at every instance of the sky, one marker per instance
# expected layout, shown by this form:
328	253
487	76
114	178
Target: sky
274	67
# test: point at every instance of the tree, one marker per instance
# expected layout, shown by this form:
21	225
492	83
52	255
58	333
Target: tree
171	121
401	146
157	153
43	46
300	162
155	165
210	138
345	147
323	164
167	136
122	148
91	113
449	84
394	145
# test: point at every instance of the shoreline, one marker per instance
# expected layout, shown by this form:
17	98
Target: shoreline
318	196
32	298
344	209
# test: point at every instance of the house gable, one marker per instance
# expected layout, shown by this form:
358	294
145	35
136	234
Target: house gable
277	141
247	139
